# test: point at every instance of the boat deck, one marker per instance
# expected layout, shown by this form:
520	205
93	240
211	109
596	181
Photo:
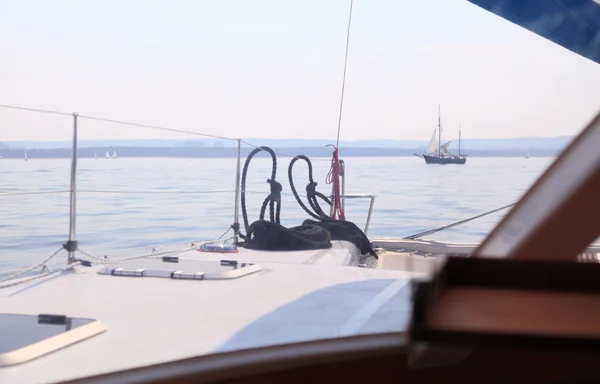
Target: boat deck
296	296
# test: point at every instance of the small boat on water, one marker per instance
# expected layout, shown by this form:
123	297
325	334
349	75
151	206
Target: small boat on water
26	155
437	153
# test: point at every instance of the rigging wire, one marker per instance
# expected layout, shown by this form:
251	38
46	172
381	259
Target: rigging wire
33	193
337	142
334	172
151	192
114	191
455	224
114	121
156	127
35	110
31	268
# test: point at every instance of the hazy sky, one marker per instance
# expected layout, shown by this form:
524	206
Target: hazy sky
257	68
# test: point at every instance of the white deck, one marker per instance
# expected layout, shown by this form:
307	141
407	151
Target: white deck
433	247
299	296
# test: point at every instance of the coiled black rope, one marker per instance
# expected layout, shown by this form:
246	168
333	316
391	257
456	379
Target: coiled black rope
274	197
311	191
265	235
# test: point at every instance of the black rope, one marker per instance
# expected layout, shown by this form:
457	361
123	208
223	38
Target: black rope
274	198
311	191
265	235
271	235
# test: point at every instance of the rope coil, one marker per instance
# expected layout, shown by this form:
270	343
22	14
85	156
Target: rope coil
311	191
274	197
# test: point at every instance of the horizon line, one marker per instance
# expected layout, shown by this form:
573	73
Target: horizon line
291	138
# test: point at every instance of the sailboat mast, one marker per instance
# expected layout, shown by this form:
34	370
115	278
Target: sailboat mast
459	136
439	132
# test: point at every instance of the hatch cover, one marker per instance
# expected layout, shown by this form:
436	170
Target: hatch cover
176	268
26	337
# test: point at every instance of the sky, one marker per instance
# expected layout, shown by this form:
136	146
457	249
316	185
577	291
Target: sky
260	68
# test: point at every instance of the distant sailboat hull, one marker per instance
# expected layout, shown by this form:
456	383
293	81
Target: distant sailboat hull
444	160
438	152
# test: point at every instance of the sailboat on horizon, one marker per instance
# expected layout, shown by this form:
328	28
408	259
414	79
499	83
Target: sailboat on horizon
114	154
437	153
26	155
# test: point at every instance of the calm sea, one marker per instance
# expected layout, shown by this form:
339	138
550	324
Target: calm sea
127	203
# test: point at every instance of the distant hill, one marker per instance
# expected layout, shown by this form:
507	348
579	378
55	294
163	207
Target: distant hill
519	144
223	152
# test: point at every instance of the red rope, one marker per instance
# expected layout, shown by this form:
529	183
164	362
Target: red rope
334	177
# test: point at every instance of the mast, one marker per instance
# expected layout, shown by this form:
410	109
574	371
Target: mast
439	132
459	129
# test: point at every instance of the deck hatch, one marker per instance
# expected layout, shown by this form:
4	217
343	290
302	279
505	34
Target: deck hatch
26	337
182	269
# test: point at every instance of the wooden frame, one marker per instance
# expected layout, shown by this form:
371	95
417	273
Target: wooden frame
560	215
522	286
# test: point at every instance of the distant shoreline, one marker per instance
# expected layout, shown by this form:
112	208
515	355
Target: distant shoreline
224	152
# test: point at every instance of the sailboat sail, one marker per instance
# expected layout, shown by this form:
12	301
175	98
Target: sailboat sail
114	154
444	149
25	155
431	148
107	155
